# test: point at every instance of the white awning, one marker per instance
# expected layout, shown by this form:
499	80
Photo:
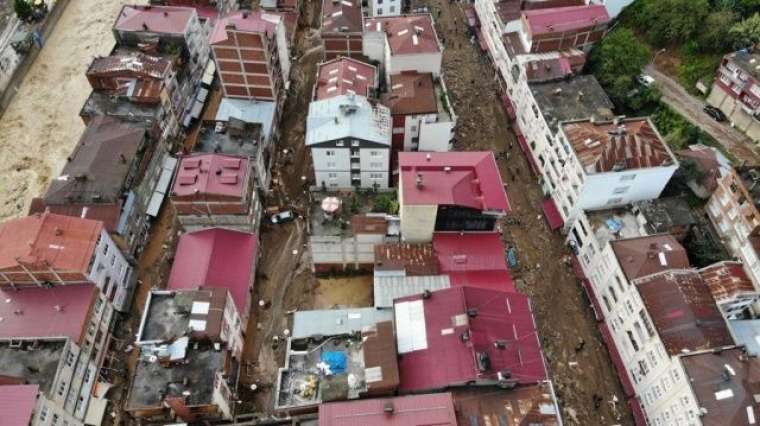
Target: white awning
167	170
411	333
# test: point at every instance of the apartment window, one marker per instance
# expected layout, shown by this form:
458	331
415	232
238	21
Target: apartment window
43	414
629	306
331	164
54	420
376	175
330	153
583	228
612	293
619	284
69	358
606	303
375	165
393	9
621	190
639	331
643	367
413	128
535	110
356	142
380	11
634	343
627	177
61	388
332	175
340	143
379	1
612	201
676	375
647	324
374	153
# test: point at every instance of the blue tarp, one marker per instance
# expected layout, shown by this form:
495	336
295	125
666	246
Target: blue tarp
614	225
336	361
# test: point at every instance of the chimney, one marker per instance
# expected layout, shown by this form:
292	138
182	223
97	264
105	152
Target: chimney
245	15
419	181
123	158
145	26
557	91
166	14
427	157
388	407
58	232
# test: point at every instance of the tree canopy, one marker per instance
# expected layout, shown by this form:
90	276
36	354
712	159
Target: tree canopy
617	60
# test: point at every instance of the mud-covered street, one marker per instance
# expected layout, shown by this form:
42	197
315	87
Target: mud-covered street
563	316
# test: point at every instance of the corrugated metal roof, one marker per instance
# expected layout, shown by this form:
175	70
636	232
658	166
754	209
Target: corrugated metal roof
155	19
341	76
257	21
250	111
348	116
522	405
389	288
341	16
106	213
563	19
643	256
328	322
727	280
413	259
441	343
407	34
417	410
211	174
475	259
683	311
411	93
465	179
17	404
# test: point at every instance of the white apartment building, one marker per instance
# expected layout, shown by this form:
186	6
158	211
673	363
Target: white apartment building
381	8
350	139
733	210
601	165
655	309
403	43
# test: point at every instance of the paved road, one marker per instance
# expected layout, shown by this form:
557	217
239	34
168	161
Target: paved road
691	108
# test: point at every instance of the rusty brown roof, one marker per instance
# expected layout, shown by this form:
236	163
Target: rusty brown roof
524	405
363	224
380	352
605	146
341	16
683	311
415	259
643	256
724	383
411	93
106	213
97	170
139	65
727	280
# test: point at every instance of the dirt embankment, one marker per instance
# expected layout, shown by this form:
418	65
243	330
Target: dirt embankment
41	125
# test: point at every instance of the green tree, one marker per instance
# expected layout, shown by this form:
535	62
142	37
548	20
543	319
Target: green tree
714	36
617	60
746	33
675	21
23	9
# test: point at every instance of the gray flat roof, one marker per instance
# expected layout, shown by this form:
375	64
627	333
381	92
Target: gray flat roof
331	322
747	333
575	99
252	111
388	288
36	363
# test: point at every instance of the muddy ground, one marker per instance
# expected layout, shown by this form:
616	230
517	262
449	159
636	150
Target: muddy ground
41	125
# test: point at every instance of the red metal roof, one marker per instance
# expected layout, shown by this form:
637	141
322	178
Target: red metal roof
411	93
344	75
643	256
474	259
341	16
562	19
258	21
440	356
466	179
156	19
407	34
415	410
106	213
211	174
17	404
216	257
64	242
727	280
683	311
60	311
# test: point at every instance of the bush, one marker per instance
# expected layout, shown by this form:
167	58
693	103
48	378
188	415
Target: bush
385	203
23	9
617	60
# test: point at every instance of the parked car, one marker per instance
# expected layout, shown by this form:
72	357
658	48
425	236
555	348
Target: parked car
715	113
645	80
283	217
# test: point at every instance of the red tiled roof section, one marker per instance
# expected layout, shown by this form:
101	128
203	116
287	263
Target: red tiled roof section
341	16
411	93
106	213
257	21
473	259
563	19
364	224
498	327
407	34
380	352
139	77
524	405
415	259
216	257
727	280
157	19
683	311
65	243
467	179
649	255
36	312
211	174
508	10
606	147
564	64
17	404
344	75
430	409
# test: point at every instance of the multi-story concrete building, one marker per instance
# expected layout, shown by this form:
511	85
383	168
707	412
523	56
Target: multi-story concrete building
556	29
252	55
403	43
448	191
423	119
350	139
598	165
733	209
342	76
169	30
736	91
216	190
342	28
380	8
56	338
117	174
54	250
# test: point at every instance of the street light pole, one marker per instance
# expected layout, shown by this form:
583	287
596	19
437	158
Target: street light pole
663	50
